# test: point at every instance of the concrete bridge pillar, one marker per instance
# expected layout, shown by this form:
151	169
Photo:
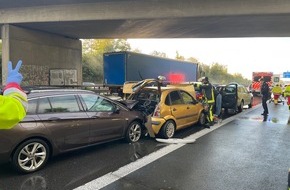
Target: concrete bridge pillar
45	56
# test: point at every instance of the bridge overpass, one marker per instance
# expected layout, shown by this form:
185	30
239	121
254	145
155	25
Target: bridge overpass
45	34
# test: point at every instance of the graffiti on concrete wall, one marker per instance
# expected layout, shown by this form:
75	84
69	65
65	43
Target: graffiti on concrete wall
63	77
35	75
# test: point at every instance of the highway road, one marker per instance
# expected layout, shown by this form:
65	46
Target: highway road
75	169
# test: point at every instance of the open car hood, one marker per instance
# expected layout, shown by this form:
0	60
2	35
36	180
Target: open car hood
132	88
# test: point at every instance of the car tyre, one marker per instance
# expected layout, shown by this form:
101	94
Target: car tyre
168	129
134	132
202	119
31	156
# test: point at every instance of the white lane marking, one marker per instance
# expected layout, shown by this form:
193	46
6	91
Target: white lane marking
111	177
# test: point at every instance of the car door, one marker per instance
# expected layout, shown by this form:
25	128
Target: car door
246	95
63	117
230	96
178	108
192	110
107	120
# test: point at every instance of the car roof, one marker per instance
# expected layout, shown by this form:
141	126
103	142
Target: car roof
54	92
186	88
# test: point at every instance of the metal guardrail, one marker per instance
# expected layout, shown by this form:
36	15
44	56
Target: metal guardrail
97	89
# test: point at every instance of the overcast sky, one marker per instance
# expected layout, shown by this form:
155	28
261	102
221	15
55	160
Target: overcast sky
240	55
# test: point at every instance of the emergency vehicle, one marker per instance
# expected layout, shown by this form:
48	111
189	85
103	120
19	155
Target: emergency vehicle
256	84
276	80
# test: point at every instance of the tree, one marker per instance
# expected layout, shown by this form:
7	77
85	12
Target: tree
92	69
193	59
159	54
93	51
179	57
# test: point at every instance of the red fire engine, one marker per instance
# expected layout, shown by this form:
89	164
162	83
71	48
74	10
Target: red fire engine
256	84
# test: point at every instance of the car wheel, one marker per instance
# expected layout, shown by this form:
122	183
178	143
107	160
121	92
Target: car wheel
168	129
134	132
241	107
202	119
30	156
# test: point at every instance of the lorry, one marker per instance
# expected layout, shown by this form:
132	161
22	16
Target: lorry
256	84
124	66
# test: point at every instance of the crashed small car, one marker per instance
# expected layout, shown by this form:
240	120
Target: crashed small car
168	107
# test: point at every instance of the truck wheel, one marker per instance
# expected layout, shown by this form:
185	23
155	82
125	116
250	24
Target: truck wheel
168	129
134	132
30	156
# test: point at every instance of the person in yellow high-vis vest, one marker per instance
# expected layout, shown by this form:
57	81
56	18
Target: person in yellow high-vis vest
208	92
13	102
287	96
277	92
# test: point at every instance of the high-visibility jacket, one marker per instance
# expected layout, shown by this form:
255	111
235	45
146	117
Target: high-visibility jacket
277	90
208	92
13	106
287	91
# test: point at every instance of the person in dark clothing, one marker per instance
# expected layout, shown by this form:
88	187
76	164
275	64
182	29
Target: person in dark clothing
265	91
208	91
218	104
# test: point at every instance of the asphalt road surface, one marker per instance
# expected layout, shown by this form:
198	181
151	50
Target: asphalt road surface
75	169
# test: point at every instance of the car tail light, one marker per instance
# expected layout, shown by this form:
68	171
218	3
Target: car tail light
157	111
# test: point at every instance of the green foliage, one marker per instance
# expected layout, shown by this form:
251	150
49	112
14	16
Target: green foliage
218	74
179	57
159	54
93	62
93	51
193	59
92	68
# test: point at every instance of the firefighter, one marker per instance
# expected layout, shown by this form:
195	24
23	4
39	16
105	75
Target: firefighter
277	92
13	102
208	91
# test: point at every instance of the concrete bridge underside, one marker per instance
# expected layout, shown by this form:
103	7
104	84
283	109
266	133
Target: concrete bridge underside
67	21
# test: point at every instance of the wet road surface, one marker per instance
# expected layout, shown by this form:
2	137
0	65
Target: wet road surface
201	162
249	152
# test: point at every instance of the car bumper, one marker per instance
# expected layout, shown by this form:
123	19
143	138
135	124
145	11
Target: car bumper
157	123
4	157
